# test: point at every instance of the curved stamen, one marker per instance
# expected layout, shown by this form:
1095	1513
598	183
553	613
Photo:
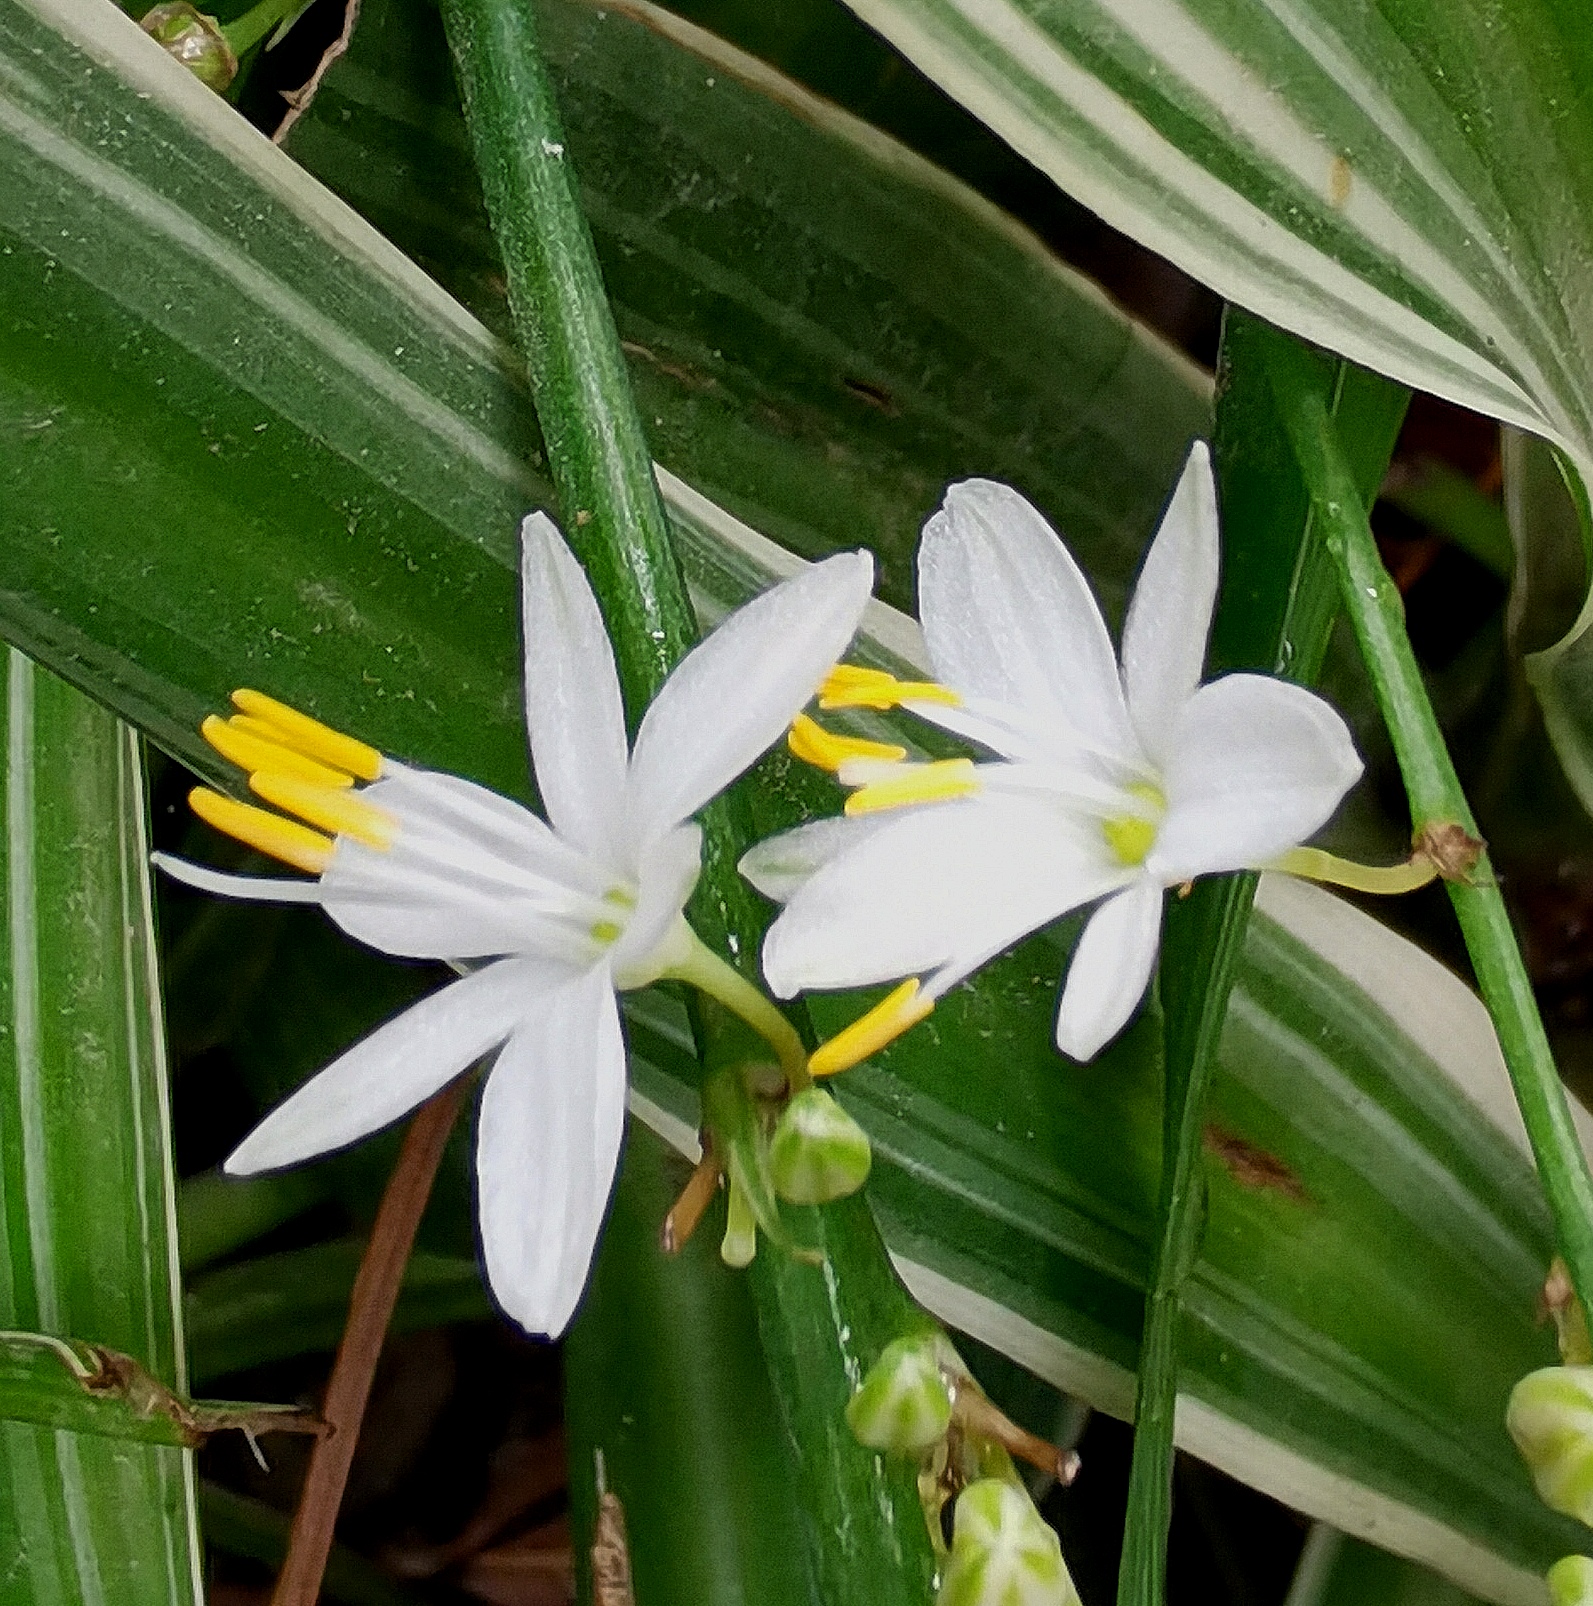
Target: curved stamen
886	1021
309	736
268	833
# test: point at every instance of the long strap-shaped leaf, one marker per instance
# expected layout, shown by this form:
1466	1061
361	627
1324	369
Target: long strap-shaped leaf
86	1187
1410	186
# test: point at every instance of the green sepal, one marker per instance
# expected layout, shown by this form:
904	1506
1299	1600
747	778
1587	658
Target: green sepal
818	1152
1550	1417
904	1403
1003	1553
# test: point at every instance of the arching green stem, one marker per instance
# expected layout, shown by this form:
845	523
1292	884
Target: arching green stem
707	972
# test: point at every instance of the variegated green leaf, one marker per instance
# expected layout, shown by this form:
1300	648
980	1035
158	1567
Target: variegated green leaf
1409	185
89	1243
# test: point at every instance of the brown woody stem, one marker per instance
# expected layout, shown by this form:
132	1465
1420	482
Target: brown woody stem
370	1309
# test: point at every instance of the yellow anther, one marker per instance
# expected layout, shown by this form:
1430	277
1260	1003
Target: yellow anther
918	783
826	750
1315	864
851	686
887	1020
309	736
250	750
286	840
342	813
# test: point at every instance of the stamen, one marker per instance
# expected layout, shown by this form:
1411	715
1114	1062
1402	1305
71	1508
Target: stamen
886	1021
826	750
252	750
286	840
309	736
342	813
1315	864
917	783
851	686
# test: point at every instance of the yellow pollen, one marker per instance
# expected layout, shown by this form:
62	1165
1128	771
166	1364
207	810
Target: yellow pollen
252	750
342	813
286	840
851	686
824	749
887	1020
1131	836
918	783
606	931
309	736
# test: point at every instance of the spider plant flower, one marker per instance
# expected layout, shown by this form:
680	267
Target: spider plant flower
559	914
1550	1416
1003	1553
1109	782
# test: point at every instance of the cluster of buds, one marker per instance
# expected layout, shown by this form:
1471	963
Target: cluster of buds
919	1399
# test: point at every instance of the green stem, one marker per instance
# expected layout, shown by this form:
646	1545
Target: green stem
1275	612
869	1541
707	972
245	32
1378	615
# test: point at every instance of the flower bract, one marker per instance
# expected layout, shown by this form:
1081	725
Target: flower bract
1105	781
557	913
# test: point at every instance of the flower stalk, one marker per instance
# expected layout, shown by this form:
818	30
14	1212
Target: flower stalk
1438	803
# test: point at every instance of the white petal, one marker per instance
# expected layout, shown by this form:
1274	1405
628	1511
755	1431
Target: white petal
1110	970
573	712
1169	618
941	882
1009	616
1255	766
469	875
736	692
260	889
665	878
552	1117
779	865
400	1065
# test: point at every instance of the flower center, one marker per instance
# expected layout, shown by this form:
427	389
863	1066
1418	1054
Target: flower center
608	932
1132	836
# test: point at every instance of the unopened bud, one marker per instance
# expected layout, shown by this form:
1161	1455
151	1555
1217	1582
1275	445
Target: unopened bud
1550	1417
1570	1581
1003	1553
818	1152
195	40
904	1403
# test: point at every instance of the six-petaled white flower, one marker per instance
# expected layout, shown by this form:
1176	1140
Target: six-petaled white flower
1110	783
563	912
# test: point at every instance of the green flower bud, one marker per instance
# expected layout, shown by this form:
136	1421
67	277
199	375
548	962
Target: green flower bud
1570	1581
1003	1553
195	40
1550	1417
818	1152
904	1403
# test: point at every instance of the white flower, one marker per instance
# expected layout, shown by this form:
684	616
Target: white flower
429	866
1110	784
